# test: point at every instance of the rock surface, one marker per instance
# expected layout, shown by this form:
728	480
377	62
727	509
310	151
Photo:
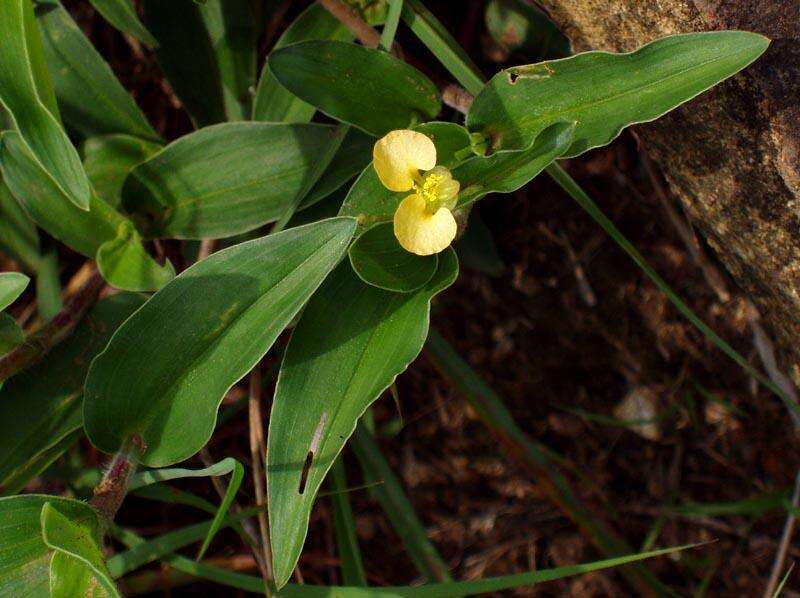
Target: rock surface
732	156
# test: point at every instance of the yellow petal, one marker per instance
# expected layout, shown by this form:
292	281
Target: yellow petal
399	155
421	232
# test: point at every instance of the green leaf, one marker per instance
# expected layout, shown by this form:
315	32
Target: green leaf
125	264
224	467
371	202
524	29
606	92
108	160
351	158
24	557
275	103
11	286
207	51
42	406
19	94
339	360
506	172
146	551
11	335
200	334
477	250
19	238
78	539
368	88
439	41
225	179
122	15
388	490
231	30
84	231
346	538
91	99
379	260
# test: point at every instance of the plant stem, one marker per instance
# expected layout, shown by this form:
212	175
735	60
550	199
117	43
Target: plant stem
348	17
54	332
110	492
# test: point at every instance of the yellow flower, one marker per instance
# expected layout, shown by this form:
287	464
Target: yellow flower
423	222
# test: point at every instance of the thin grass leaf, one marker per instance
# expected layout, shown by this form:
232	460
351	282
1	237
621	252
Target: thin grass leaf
122	15
250	583
390	28
346	539
439	41
543	461
389	492
143	551
223	467
779	589
569	185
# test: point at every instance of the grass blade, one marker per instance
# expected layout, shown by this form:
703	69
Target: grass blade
397	507
541	460
574	190
346	539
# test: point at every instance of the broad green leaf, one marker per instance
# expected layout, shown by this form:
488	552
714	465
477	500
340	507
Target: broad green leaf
82	230
19	239
128	267
122	15
11	286
438	40
24	557
379	260
41	406
125	264
505	172
273	102
225	179
351	342
91	99
200	334
371	202
108	160
206	50
11	335
79	541
19	94
524	29
606	92
368	88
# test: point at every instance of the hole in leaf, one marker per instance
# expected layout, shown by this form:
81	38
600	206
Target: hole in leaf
306	469
512	77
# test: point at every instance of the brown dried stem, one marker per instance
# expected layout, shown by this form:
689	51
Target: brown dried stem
62	325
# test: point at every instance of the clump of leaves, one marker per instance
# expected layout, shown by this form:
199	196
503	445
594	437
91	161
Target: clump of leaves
382	189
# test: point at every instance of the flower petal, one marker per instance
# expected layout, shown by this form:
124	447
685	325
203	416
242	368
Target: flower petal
398	155
421	232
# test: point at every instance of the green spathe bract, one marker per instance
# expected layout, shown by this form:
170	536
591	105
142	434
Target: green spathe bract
367	88
165	371
605	92
225	179
11	286
350	344
379	260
